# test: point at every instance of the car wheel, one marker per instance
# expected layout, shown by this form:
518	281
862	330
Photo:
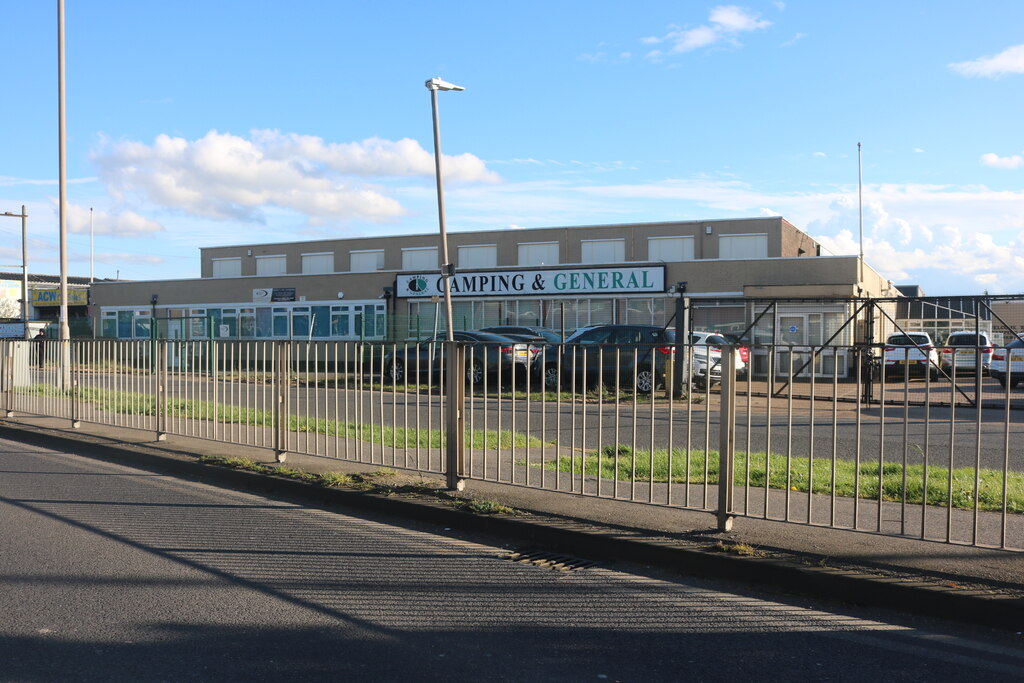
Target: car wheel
395	371
475	373
551	378
700	383
1014	383
645	381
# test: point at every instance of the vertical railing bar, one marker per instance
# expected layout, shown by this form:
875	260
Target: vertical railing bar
810	438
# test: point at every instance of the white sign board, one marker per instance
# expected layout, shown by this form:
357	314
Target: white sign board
609	280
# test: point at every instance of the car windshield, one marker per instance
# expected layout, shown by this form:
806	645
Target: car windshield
549	336
1016	344
966	340
909	340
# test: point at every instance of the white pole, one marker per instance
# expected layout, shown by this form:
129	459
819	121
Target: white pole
65	332
90	247
860	211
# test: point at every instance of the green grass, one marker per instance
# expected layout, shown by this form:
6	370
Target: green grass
625	464
131	403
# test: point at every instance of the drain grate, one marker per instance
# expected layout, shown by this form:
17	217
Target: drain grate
549	560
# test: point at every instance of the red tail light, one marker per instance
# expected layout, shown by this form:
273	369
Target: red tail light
667	350
947	350
928	348
889	348
998	356
507	349
986	350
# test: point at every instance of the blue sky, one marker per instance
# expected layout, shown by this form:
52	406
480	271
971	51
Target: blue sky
195	124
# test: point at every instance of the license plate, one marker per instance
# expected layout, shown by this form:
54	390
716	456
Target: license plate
522	353
1016	356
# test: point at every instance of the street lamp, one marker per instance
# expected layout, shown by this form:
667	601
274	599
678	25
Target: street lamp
447	269
24	266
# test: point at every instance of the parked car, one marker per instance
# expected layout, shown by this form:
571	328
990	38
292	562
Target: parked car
538	346
912	353
963	348
623	355
549	336
1007	366
742	346
708	345
486	355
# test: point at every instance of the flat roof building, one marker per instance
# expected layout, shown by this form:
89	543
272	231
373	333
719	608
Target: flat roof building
561	277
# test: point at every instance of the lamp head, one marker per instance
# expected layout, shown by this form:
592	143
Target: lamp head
437	84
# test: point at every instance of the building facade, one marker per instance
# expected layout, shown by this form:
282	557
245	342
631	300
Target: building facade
561	278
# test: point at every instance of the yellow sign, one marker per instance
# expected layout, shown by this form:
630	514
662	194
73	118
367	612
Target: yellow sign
51	297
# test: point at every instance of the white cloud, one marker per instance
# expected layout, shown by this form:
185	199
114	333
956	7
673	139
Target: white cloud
795	39
124	224
819	154
1009	61
996	161
725	22
225	176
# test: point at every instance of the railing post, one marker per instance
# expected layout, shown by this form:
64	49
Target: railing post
8	374
284	350
727	438
73	388
455	427
161	350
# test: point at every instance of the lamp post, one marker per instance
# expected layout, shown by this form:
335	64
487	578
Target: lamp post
24	266
447	270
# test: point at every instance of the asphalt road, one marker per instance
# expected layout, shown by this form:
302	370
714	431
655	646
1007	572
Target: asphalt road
117	574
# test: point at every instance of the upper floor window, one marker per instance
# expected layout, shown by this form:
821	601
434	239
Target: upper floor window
670	249
227	267
366	261
318	263
743	246
419	258
538	254
478	256
272	265
603	251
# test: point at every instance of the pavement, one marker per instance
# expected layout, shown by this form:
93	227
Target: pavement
963	583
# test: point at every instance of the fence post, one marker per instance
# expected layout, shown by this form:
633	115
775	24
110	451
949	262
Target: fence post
8	374
727	438
161	352
73	387
280	404
455	427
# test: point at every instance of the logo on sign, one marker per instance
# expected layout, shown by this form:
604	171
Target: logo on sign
418	284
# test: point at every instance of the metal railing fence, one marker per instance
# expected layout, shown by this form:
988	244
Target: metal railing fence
900	448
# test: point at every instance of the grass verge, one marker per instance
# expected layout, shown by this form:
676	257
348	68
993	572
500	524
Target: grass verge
383	482
890	482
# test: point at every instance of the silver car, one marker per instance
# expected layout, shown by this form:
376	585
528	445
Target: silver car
1007	366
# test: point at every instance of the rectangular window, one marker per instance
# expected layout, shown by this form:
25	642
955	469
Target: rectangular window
602	251
743	246
478	256
280	322
143	323
538	254
227	267
300	322
670	249
340	321
419	258
247	323
271	265
264	323
317	263
198	323
366	261
321	321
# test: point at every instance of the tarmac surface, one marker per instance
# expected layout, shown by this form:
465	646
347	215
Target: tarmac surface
978	585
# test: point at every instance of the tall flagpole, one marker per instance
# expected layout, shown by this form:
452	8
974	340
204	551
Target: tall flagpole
860	212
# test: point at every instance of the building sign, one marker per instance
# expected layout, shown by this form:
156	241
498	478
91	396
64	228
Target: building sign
612	280
265	295
51	297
